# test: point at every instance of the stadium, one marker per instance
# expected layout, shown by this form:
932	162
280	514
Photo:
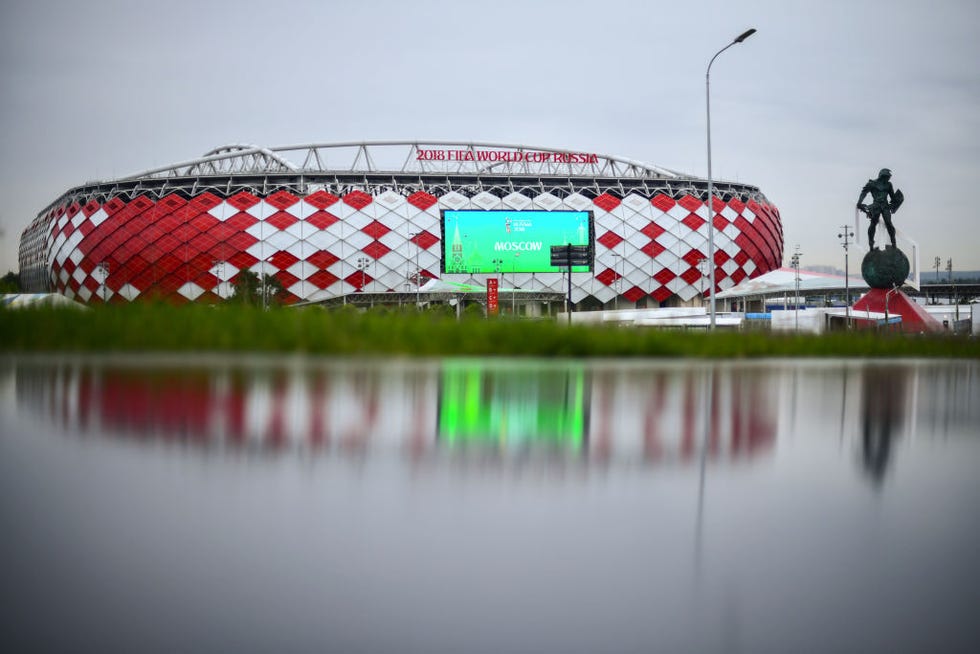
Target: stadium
391	222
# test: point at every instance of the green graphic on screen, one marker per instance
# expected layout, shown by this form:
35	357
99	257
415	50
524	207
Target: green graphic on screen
510	408
488	242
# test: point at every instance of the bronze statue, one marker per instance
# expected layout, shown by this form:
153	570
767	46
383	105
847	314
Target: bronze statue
885	200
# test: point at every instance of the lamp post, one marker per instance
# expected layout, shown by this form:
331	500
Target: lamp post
846	235
103	268
362	263
711	210
703	269
796	300
418	271
616	259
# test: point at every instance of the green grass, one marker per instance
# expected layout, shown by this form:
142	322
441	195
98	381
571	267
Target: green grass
163	328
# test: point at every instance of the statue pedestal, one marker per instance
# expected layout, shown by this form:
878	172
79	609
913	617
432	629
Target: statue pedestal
896	303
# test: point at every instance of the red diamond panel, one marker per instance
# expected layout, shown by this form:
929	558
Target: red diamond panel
243	200
111	207
221	231
634	294
694	221
653	249
738	275
286	279
375	229
663	202
357	199
283	260
359	279
222	252
322	279
241	221
662	294
321	199
736	205
740	257
323	259
206	202
652	230
185	233
140	204
205	222
608	276
664	276
321	219
693	257
610	239
692	276
376	250
721	257
242	241
425	240
606	202
171	203
282	199
242	260
90	207
690	203
422	200
281	220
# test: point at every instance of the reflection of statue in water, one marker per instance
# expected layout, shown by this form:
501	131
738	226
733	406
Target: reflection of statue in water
885	200
881	415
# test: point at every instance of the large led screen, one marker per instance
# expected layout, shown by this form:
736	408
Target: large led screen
510	241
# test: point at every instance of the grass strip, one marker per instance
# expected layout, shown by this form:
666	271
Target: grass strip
384	332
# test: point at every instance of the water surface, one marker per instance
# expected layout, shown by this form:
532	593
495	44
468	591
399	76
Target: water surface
282	504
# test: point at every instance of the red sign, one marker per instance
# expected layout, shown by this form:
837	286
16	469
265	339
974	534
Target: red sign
535	156
491	296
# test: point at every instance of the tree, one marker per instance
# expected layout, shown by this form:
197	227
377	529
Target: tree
249	289
10	283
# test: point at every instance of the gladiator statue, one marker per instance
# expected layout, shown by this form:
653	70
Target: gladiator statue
885	200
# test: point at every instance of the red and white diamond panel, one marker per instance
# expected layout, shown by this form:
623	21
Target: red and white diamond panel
321	245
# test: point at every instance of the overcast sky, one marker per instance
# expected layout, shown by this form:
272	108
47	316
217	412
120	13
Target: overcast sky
808	109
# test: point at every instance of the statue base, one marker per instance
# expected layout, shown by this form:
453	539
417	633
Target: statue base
893	302
886	268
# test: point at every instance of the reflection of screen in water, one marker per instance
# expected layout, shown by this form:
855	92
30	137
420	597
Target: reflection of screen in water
513	406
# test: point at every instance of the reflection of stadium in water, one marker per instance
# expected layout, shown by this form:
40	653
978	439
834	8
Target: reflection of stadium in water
509	409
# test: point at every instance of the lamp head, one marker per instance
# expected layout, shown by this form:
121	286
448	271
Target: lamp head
744	35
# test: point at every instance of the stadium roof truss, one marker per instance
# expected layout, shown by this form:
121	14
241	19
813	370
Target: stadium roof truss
405	167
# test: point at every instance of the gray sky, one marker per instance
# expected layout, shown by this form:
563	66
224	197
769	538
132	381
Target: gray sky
808	109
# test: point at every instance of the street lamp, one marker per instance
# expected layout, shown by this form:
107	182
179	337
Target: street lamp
796	300
846	235
703	269
362	263
616	283
103	269
418	271
711	211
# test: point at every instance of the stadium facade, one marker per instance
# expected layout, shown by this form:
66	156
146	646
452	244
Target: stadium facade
333	220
